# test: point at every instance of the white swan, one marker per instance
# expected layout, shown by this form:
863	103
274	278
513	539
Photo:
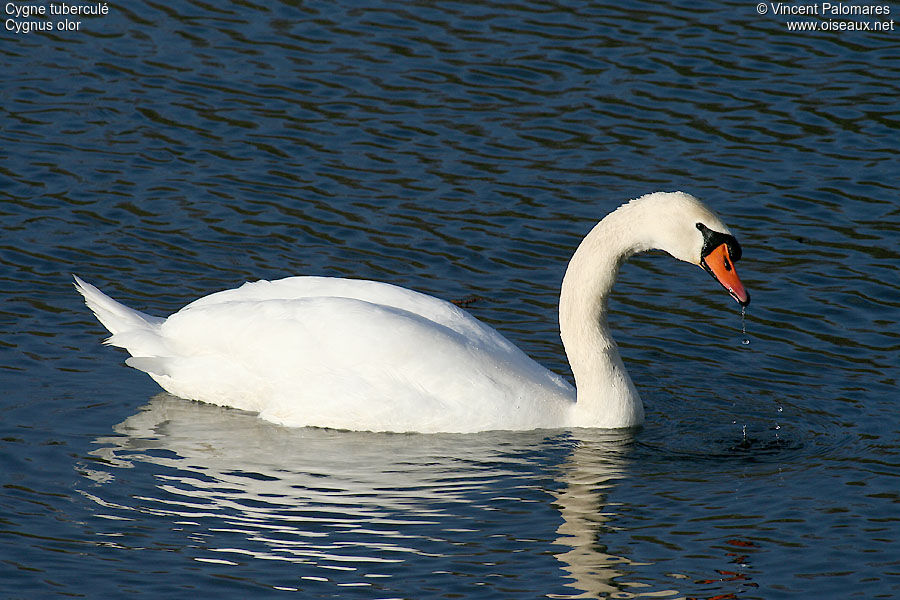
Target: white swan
364	355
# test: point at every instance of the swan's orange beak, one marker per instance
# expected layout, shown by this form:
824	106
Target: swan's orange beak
719	264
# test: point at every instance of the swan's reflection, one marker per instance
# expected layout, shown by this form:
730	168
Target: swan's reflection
344	499
595	464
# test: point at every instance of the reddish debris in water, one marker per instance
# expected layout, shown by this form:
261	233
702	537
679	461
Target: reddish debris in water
468	300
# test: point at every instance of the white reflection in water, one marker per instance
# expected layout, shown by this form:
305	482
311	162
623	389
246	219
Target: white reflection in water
343	500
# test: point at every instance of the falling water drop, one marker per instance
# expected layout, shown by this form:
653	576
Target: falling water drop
744	339
777	427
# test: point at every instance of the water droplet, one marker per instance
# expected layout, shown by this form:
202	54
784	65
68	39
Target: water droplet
744	339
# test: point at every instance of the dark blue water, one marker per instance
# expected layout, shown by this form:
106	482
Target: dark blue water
165	151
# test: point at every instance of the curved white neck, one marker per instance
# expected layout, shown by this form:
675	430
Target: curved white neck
606	397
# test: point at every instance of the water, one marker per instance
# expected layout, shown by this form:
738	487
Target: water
462	149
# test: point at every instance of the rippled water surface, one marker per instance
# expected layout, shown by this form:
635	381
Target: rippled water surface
167	150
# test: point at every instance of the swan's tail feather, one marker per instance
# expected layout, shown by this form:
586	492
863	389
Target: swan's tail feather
116	317
152	365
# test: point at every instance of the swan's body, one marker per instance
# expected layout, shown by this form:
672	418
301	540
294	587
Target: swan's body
354	354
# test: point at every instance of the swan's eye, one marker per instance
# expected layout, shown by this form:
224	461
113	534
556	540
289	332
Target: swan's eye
713	239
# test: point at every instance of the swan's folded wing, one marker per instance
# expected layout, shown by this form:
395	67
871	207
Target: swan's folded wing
349	363
373	292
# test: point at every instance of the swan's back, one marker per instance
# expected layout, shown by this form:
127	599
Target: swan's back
347	354
376	293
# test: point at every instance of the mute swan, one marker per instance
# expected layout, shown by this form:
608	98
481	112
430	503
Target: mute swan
364	355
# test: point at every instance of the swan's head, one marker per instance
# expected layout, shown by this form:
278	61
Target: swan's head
682	226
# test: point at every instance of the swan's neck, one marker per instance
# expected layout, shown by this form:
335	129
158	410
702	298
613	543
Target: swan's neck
606	395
